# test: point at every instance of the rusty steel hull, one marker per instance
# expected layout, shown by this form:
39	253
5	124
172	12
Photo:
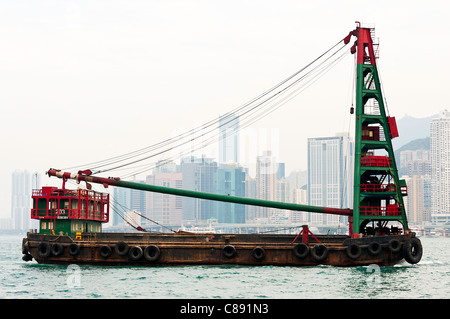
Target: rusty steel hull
118	249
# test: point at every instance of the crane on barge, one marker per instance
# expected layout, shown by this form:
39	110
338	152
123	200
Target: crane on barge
378	191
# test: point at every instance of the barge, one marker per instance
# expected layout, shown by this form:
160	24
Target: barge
71	220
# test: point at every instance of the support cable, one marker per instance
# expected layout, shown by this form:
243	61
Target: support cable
120	158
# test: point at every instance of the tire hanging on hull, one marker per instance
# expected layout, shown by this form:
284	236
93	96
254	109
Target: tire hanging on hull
353	251
319	252
135	253
258	253
412	250
74	249
152	253
374	248
301	250
394	245
229	251
121	248
105	251
43	250
57	249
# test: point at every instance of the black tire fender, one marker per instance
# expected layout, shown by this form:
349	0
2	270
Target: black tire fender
319	252
229	251
57	249
301	250
412	250
135	253
43	250
73	249
394	245
374	248
353	251
258	253
152	253
105	251
121	248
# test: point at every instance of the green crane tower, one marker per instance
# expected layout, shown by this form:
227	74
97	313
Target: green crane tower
378	191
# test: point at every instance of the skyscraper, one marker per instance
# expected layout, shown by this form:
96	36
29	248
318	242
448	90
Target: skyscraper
416	167
22	184
282	194
138	199
417	198
165	208
266	173
120	204
230	181
250	192
330	176
299	196
440	164
199	174
125	201
229	138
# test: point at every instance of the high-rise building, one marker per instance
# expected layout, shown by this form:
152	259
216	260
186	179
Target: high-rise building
138	199
165	208
199	174
281	171
440	163
250	192
415	162
165	166
298	179
230	181
408	156
22	184
266	172
282	194
125	201
121	204
229	138
299	196
416	167
427	198
415	201
330	176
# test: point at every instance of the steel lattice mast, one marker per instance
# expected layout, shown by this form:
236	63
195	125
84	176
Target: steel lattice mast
378	191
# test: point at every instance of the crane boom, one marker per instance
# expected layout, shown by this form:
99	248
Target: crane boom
81	176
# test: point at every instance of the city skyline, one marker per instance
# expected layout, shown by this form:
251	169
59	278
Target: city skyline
413	160
415	164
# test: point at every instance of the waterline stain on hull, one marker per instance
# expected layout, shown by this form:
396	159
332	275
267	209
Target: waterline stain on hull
150	249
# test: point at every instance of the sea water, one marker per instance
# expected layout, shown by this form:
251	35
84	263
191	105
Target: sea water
429	279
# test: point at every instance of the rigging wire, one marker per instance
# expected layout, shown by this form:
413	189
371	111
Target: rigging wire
117	159
214	120
243	125
315	74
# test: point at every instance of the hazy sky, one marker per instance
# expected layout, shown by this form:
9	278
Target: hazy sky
82	81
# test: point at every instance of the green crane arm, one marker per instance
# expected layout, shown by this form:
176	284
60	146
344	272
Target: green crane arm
83	176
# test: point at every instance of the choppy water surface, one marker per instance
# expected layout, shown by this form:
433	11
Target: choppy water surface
428	279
